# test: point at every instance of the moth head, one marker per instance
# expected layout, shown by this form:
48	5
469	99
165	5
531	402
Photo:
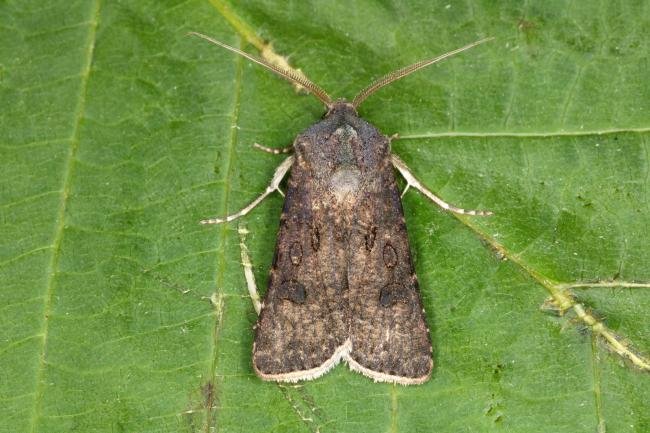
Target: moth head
340	106
321	95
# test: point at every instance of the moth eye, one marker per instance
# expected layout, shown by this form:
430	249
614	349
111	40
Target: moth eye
295	253
390	256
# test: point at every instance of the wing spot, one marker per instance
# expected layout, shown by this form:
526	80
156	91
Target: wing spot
391	293
295	253
293	291
390	256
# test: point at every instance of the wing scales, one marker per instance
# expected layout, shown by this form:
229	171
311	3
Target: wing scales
302	329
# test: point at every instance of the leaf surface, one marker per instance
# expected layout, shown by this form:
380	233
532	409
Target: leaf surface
119	133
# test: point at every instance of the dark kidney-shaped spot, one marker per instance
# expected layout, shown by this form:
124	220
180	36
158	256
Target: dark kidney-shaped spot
293	291
392	293
370	238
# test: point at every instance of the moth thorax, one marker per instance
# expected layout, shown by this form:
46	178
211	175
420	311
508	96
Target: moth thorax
345	182
345	138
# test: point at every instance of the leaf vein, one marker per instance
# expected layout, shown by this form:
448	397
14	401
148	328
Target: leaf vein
510	134
227	167
60	218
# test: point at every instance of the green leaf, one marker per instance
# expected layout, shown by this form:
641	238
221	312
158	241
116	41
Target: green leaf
119	312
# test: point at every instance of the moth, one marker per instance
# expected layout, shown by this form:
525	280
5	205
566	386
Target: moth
342	285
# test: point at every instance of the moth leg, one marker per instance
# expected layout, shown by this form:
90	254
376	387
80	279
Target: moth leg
248	269
273	186
412	181
275	151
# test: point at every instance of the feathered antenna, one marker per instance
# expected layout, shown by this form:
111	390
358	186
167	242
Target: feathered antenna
403	72
287	75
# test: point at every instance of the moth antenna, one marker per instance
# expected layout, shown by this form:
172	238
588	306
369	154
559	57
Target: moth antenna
407	70
287	75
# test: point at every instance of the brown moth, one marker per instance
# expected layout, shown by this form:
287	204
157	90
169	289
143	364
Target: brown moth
342	284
